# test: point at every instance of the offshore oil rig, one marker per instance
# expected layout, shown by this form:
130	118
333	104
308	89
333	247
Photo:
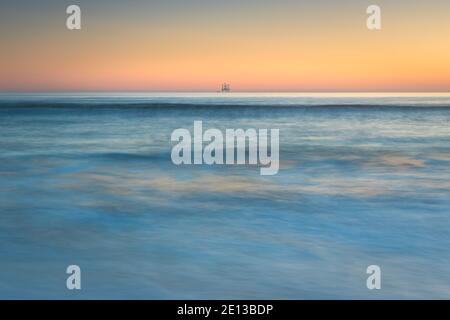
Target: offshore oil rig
225	88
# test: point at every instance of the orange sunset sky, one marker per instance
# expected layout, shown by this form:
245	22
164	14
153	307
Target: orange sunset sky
196	45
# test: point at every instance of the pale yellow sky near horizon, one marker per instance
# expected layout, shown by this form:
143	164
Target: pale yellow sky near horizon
286	46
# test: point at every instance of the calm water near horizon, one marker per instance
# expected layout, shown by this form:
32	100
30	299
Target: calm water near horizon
87	179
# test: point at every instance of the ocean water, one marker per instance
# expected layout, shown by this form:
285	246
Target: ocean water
88	180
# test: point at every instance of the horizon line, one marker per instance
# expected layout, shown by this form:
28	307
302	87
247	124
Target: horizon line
225	93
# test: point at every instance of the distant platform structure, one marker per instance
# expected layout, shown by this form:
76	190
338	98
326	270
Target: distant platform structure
225	88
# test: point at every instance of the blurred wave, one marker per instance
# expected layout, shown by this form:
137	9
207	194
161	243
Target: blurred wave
92	183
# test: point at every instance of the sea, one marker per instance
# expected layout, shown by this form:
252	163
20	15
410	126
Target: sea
87	179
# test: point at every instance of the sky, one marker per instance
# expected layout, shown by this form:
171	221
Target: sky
196	45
